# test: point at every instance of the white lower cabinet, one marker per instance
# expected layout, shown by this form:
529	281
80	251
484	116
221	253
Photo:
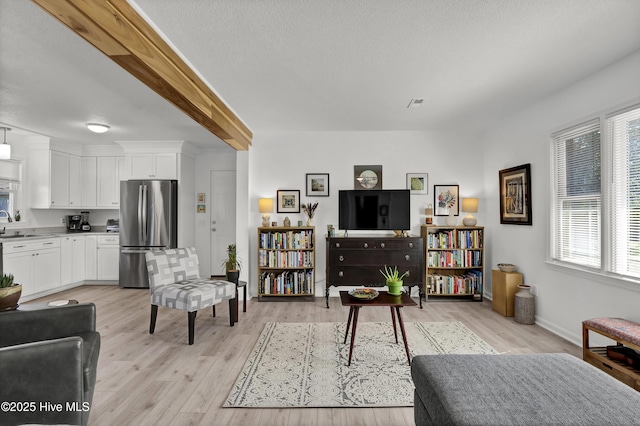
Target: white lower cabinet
91	257
34	264
108	257
72	259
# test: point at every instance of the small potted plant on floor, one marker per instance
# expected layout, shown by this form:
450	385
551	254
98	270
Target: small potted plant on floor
232	264
9	293
394	279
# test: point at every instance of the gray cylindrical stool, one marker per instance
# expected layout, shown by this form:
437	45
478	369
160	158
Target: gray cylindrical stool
525	305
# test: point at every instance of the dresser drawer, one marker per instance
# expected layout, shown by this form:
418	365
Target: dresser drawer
371	276
367	257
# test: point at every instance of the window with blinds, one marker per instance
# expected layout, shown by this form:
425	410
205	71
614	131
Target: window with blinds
623	201
577	196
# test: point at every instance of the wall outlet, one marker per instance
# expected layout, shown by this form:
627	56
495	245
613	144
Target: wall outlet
63	220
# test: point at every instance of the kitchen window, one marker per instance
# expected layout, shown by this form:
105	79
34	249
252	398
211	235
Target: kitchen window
7	199
596	195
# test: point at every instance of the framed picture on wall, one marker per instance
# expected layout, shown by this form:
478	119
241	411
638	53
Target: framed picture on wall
515	195
446	199
367	177
418	183
289	201
317	184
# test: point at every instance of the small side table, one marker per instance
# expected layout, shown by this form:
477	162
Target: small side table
504	286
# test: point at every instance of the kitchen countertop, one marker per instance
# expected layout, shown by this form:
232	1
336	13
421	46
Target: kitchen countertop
36	236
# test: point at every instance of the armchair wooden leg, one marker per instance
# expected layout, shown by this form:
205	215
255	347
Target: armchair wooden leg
214	310
192	325
232	311
154	315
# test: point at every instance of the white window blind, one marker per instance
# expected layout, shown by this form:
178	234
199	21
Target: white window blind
623	245
577	196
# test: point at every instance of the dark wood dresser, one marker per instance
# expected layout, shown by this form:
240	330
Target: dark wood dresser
358	261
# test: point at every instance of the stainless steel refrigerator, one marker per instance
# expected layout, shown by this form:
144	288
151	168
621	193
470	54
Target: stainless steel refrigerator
148	221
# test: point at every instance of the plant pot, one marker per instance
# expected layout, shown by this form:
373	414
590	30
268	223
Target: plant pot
9	297
395	287
233	275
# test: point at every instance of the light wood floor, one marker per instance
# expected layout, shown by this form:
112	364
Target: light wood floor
159	379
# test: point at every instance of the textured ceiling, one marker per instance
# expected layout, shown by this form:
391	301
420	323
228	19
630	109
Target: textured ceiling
329	65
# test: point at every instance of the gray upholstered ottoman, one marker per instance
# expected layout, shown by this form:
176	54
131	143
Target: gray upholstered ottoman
532	389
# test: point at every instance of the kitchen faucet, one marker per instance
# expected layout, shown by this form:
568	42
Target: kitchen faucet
8	215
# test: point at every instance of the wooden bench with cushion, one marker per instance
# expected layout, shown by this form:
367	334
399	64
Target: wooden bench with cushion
626	334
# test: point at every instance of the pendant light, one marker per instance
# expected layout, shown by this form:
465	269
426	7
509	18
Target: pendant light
5	148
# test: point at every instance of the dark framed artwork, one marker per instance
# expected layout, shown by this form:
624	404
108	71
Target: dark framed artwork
367	177
418	183
317	184
288	201
515	195
446	198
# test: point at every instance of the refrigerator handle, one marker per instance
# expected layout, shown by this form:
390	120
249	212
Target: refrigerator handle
145	228
140	215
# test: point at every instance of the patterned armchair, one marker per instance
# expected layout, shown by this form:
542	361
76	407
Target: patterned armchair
174	282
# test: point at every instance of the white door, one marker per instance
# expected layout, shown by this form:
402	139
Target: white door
223	217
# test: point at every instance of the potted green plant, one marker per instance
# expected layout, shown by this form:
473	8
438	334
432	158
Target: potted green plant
394	279
9	293
232	264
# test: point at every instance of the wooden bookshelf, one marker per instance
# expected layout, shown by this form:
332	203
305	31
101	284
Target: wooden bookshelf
286	261
454	258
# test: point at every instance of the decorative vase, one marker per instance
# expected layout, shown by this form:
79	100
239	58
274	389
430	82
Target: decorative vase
451	220
395	288
9	297
310	221
17	216
525	305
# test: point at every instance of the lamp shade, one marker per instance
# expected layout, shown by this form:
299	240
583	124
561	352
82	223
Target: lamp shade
470	205
265	205
5	151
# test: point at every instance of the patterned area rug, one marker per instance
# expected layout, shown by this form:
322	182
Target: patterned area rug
305	364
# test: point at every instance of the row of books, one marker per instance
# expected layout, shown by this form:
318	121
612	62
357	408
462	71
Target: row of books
285	259
454	259
468	283
289	282
455	238
287	240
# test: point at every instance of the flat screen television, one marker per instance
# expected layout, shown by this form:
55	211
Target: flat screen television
373	210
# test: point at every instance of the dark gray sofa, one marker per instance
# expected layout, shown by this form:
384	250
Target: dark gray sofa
48	357
532	389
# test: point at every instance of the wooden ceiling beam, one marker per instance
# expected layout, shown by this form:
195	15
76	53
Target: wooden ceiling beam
117	30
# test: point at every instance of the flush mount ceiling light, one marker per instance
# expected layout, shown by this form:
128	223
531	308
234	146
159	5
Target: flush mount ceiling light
5	148
415	103
97	127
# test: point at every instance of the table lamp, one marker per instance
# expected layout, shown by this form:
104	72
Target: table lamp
470	205
265	206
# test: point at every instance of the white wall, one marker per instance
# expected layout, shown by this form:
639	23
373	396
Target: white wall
281	161
564	298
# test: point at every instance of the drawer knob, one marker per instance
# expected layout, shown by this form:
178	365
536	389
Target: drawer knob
338	245
407	257
340	274
381	245
410	245
365	245
341	258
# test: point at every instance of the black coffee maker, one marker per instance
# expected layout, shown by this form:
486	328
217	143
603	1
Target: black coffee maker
74	223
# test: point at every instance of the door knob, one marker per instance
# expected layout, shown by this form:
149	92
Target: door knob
213	229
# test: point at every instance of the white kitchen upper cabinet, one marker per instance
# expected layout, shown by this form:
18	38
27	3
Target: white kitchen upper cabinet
109	173
89	182
59	180
152	166
55	179
75	181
